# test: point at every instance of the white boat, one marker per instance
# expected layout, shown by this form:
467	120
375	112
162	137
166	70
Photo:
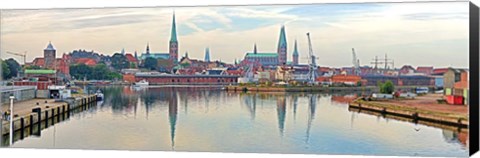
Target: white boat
99	95
142	83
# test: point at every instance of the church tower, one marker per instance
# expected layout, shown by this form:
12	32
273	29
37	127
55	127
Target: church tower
295	54
282	47
49	55
173	47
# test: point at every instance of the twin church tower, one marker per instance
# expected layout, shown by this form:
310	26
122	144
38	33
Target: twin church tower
279	58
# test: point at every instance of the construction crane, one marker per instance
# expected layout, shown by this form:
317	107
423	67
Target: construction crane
24	55
312	64
356	63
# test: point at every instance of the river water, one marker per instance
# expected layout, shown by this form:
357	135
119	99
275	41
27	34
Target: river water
210	119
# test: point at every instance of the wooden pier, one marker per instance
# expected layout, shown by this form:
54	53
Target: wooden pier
30	117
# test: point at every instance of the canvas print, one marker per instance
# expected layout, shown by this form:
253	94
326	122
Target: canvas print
348	79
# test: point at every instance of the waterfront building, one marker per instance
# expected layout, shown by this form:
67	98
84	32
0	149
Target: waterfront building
260	58
171	79
439	71
402	80
283	73
39	78
427	70
455	83
49	55
132	60
49	61
346	79
406	69
300	74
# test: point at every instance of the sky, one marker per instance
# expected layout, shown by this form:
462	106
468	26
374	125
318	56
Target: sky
418	34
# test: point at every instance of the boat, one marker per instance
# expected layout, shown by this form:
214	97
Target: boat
99	95
142	83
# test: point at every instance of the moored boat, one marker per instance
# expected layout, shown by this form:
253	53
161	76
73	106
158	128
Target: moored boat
142	83
99	95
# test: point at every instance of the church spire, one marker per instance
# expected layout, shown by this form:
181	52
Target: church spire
282	47
282	41
295	50
173	35
295	53
173	45
148	48
207	54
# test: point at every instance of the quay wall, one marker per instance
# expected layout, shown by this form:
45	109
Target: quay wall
48	116
412	113
20	92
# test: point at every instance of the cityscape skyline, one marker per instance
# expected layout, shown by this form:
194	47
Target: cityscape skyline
230	32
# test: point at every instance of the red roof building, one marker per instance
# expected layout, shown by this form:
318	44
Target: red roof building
439	71
86	61
425	70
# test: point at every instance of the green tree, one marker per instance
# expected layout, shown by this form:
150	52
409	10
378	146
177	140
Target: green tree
79	71
14	67
33	67
386	88
119	61
150	63
184	65
100	72
5	69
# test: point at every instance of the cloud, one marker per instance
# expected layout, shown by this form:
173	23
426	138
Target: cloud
436	16
229	31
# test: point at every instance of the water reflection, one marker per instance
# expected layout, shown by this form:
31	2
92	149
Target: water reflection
312	105
172	115
281	111
209	119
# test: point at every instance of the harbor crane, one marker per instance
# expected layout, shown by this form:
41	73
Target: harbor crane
312	75
24	56
356	63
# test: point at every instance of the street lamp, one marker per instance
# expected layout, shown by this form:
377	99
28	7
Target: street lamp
11	119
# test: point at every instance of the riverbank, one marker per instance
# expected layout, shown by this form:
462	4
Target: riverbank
309	88
421	109
34	114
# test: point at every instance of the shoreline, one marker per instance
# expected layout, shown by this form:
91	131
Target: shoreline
413	114
31	118
310	89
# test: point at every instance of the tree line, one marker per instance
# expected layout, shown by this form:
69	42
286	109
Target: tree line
97	72
10	68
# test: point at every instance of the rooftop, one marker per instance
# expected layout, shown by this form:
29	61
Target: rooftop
251	54
41	71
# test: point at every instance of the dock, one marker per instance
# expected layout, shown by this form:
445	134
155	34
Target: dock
31	116
438	115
